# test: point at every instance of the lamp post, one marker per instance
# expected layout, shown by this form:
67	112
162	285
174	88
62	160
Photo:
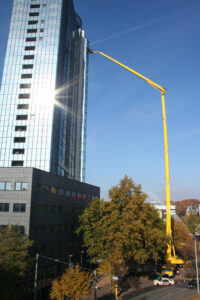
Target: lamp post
56	260
82	258
36	275
196	261
70	261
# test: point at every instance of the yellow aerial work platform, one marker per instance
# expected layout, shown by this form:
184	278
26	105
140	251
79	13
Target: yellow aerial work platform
170	259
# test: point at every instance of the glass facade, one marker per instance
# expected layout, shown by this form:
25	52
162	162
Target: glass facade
43	90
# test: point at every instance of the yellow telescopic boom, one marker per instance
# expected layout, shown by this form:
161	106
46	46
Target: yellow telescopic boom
169	257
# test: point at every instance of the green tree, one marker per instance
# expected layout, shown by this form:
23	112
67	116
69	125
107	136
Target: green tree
71	285
183	240
193	223
126	225
14	263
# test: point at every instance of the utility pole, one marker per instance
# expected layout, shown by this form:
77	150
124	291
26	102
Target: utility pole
196	261
82	258
36	274
56	260
70	262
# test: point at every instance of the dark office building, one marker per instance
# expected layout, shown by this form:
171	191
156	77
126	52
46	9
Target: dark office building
45	207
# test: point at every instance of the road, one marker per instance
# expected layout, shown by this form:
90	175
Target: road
164	293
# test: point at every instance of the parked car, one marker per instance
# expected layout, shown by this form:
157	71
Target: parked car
163	282
192	284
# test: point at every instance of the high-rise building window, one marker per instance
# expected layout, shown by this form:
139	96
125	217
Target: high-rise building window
22	117
4	207
25	86
31	31
32	22
5	186
52	209
35	6
20	128
23	76
44	188
45	209
19	207
21	186
24	96
43	228
27	66
67	193
60	192
60	209
22	106
29	48
19	140
17	163
28	57
18	151
53	190
31	39
33	14
52	228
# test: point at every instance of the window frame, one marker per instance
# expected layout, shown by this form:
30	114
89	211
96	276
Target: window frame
4	205
20	206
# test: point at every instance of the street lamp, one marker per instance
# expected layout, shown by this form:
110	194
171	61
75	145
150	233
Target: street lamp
56	260
70	261
196	261
82	257
36	276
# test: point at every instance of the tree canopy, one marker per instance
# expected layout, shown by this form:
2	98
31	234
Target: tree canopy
182	205
183	240
71	285
192	222
14	263
125	227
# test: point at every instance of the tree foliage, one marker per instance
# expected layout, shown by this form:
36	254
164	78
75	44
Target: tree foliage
113	264
183	240
182	205
193	223
14	263
125	226
71	285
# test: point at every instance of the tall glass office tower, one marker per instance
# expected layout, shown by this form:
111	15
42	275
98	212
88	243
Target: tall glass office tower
43	91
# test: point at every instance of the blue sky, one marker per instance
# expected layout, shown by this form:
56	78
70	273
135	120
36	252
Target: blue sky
159	39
